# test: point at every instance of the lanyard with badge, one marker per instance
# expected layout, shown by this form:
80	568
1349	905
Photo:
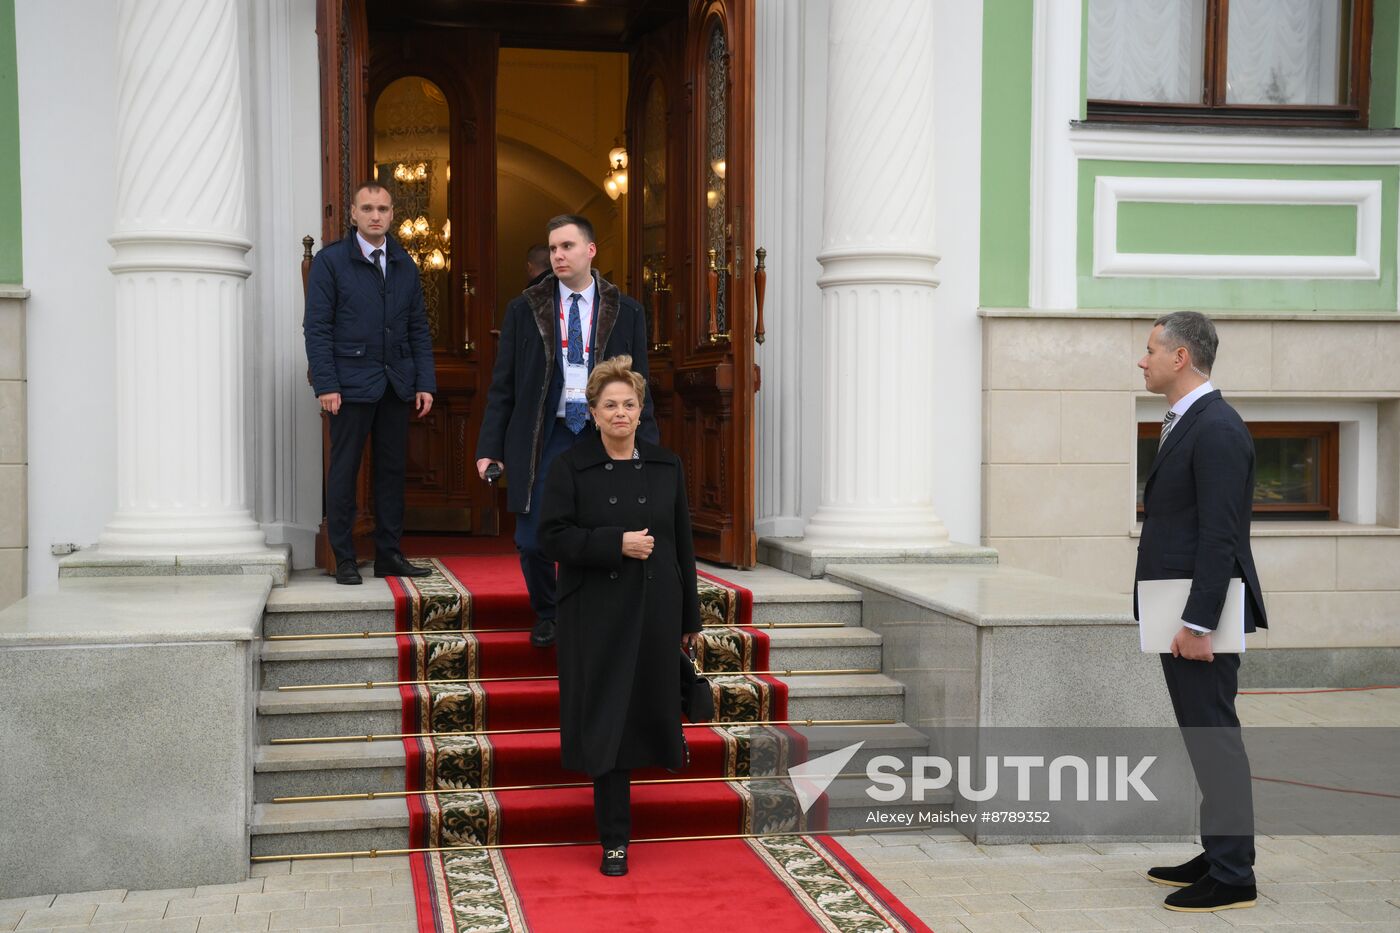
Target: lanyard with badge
575	374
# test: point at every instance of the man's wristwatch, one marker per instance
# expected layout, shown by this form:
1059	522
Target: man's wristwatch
1196	633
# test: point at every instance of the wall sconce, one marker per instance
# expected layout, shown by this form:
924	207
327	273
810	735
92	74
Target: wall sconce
411	173
718	166
615	182
711	198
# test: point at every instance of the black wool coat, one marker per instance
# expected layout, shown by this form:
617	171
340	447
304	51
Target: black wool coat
527	379
620	619
1197	505
365	334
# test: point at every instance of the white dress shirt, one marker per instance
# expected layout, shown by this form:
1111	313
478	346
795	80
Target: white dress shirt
585	318
367	247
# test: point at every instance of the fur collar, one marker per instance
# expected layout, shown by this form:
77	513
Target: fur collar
541	299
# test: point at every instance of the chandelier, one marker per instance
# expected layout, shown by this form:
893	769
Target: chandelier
429	249
615	182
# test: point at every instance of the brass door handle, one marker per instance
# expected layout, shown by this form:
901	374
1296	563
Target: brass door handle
760	285
468	290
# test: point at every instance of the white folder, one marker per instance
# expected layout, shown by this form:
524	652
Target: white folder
1161	603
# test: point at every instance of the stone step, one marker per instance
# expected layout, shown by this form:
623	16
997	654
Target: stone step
361	825
377	767
289	663
312	602
378	710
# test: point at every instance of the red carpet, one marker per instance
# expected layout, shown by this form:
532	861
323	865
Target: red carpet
468	623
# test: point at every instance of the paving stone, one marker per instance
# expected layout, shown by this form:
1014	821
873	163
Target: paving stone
209	905
1062	921
941	887
251	886
266	903
400	926
1368	911
130	910
113	896
342	898
397	894
72	915
269	869
276	883
989	903
385	913
1262	916
997	923
27	903
305	919
1292	893
361	879
234	923
164	894
1132	918
315	865
380	863
168	925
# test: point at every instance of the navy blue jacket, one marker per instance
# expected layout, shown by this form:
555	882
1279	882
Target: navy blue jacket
527	380
364	333
1199	497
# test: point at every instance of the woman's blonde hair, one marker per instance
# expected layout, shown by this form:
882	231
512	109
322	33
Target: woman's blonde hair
617	369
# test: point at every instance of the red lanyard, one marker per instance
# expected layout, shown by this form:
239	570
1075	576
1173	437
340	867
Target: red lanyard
564	328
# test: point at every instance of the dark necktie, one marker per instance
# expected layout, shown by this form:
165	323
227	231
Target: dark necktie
374	258
575	412
1166	426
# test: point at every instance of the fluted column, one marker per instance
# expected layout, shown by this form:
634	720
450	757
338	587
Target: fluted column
180	244
877	281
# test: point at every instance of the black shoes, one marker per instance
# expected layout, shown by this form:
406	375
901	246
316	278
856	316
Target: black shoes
395	565
1181	876
614	862
347	573
1209	895
542	636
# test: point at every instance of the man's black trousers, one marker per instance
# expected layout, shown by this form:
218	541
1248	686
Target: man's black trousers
386	421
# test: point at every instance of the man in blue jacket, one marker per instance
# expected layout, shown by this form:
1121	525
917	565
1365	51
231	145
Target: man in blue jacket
371	359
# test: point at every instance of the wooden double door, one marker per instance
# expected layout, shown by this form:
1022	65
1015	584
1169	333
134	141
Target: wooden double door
413	105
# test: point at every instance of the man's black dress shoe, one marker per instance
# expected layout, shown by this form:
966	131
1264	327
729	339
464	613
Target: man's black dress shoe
394	565
348	573
614	862
542	635
1179	876
1209	895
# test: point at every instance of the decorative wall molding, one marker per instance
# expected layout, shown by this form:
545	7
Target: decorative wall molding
1186	145
1364	195
1055	51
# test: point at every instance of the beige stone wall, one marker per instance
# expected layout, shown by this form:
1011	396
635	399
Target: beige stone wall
13	456
1060	398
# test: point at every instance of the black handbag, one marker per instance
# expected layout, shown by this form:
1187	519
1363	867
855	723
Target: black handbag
697	702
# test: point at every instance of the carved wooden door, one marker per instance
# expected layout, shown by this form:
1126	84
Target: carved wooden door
691	133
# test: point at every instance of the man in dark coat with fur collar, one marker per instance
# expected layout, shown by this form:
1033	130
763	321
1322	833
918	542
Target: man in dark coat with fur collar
535	409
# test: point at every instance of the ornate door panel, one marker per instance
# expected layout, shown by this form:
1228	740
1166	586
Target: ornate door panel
432	140
696	282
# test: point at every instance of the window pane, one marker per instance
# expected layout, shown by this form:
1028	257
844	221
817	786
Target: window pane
1147	50
1288	52
1286	471
411	152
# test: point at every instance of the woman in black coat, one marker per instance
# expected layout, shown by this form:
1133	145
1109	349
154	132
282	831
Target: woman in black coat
616	519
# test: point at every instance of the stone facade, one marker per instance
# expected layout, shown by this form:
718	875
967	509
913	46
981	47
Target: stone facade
13	454
1061	401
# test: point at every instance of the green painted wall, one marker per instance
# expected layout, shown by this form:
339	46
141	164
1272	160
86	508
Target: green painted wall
1006	153
1237	229
1235	294
1385	65
11	266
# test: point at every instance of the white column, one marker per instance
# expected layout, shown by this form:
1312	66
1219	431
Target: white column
878	261
180	244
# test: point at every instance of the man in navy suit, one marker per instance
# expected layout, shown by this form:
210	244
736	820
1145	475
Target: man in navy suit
371	359
1197	505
